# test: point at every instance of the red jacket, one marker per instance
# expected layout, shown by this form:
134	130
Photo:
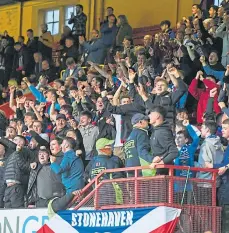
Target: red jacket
202	95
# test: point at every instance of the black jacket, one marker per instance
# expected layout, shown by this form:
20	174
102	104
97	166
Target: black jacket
32	45
168	101
27	60
17	168
163	143
51	74
2	172
69	52
126	111
57	187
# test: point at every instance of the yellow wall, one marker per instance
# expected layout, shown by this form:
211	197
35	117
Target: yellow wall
140	13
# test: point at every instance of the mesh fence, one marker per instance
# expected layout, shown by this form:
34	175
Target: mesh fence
153	190
196	219
199	211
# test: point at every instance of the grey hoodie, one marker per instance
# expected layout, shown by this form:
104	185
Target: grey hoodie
210	151
90	134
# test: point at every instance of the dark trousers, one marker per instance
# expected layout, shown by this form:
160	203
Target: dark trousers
2	191
42	203
14	196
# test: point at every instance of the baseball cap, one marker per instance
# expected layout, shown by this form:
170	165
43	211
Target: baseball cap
138	117
61	116
102	142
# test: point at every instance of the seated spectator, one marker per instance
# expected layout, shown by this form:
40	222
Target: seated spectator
37	68
70	50
48	71
93	50
44	184
148	44
67	32
72	69
71	167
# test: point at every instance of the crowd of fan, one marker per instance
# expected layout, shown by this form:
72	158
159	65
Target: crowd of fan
117	104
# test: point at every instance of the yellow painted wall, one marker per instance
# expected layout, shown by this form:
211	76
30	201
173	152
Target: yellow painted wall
140	13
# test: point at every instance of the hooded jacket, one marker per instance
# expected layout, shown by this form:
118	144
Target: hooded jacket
163	143
137	148
90	134
202	95
210	151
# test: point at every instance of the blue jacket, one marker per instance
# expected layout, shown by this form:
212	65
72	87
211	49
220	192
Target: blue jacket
186	158
137	149
72	170
223	196
187	153
67	73
41	99
96	51
218	74
108	34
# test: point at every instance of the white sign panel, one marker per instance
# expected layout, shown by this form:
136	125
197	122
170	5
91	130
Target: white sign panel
22	220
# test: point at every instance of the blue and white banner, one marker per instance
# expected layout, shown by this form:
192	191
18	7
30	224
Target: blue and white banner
145	220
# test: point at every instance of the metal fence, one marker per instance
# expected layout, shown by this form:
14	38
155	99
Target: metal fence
196	197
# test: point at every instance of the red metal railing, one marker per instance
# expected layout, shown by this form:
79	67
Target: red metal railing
138	191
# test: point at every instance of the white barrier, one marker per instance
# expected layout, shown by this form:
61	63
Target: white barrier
22	220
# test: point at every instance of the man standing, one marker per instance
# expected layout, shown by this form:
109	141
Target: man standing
23	62
137	147
94	50
44	184
2	174
89	133
70	50
223	197
162	141
71	167
45	42
32	43
79	23
16	175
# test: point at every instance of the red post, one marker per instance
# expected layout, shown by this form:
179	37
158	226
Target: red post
214	177
171	185
96	202
136	186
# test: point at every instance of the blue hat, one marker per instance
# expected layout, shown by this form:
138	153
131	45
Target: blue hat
138	117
